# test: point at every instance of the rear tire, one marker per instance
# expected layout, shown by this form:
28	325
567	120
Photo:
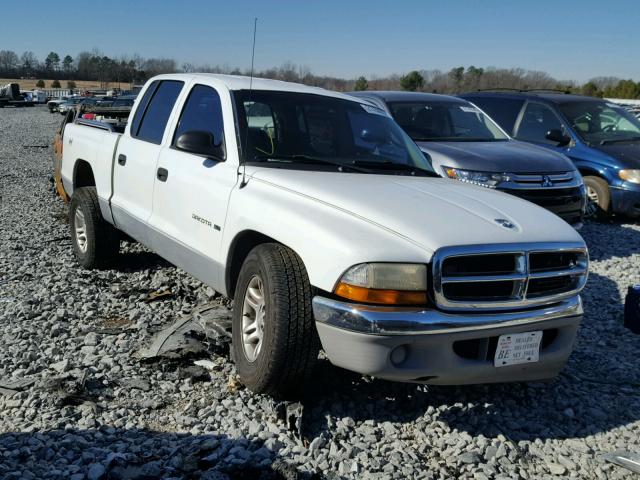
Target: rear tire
95	241
598	198
275	341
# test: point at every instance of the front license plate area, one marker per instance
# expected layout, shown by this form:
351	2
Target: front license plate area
517	348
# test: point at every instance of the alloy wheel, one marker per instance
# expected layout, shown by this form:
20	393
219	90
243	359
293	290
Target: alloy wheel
592	203
80	226
253	317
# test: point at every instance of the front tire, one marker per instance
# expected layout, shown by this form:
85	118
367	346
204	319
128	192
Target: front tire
95	241
598	198
275	342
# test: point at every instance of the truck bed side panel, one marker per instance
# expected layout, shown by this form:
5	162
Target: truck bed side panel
96	147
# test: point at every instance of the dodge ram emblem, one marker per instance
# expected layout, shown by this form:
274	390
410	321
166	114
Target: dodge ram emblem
546	181
505	223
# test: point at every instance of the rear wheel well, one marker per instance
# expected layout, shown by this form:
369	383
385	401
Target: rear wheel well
242	244
83	175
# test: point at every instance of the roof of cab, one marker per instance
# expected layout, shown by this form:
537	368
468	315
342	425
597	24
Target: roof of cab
547	96
241	82
393	96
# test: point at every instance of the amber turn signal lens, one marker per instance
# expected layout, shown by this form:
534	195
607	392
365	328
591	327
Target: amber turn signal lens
385	297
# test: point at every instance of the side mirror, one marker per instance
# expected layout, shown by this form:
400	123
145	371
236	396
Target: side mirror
557	136
200	143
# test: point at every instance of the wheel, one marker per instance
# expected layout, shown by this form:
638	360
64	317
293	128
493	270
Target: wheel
598	198
95	241
275	342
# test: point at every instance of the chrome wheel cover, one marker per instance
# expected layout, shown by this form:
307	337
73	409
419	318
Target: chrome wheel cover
253	315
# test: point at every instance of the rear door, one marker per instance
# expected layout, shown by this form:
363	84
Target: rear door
134	170
190	198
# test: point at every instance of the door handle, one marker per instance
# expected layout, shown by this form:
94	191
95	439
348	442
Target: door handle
122	159
162	174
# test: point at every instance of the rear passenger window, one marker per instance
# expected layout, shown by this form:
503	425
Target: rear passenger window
202	112
144	102
503	111
156	114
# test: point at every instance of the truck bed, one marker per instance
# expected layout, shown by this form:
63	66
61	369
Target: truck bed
92	142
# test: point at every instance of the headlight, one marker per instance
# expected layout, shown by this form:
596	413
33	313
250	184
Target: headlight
385	283
632	176
484	179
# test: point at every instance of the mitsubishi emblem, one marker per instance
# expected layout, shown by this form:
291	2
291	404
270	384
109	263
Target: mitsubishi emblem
546	181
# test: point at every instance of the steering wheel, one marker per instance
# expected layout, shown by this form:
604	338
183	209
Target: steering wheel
609	128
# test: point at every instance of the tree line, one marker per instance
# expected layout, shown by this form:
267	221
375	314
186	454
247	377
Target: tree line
135	69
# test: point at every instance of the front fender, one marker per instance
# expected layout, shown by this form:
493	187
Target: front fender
327	239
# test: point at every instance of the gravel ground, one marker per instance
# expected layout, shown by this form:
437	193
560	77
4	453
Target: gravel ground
93	410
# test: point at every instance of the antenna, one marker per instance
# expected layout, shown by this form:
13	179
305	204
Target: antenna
244	149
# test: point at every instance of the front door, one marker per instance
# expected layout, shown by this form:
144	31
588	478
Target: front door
535	121
192	192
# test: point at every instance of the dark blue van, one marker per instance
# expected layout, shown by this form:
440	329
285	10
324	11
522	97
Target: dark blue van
601	138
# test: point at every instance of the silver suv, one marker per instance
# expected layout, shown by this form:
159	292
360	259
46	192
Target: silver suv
465	144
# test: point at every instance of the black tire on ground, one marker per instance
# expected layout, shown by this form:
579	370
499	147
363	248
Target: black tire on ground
290	343
599	196
102	239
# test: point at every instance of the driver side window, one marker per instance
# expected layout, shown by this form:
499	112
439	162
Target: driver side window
537	120
202	112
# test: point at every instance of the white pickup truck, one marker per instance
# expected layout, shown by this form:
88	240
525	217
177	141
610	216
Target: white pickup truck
327	226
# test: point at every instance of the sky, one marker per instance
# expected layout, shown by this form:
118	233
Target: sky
571	40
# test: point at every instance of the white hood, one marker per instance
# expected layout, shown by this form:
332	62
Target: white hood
429	212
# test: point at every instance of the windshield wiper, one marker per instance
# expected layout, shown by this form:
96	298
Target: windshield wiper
308	159
398	167
619	140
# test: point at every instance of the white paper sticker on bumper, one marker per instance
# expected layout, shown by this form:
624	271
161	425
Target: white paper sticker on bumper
517	348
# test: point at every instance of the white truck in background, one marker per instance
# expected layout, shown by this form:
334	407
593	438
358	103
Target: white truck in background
327	226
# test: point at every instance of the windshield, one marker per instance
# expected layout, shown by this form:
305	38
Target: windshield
601	122
317	131
445	121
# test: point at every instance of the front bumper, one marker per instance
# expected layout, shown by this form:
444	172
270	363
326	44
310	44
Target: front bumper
626	201
430	346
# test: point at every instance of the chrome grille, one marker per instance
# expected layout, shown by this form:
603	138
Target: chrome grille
508	276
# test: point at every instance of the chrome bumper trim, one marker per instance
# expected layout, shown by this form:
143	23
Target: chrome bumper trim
378	320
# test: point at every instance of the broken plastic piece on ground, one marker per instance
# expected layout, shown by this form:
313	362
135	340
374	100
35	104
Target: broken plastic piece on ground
159	295
135	384
190	333
71	388
207	364
9	387
114	325
291	414
632	309
628	460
